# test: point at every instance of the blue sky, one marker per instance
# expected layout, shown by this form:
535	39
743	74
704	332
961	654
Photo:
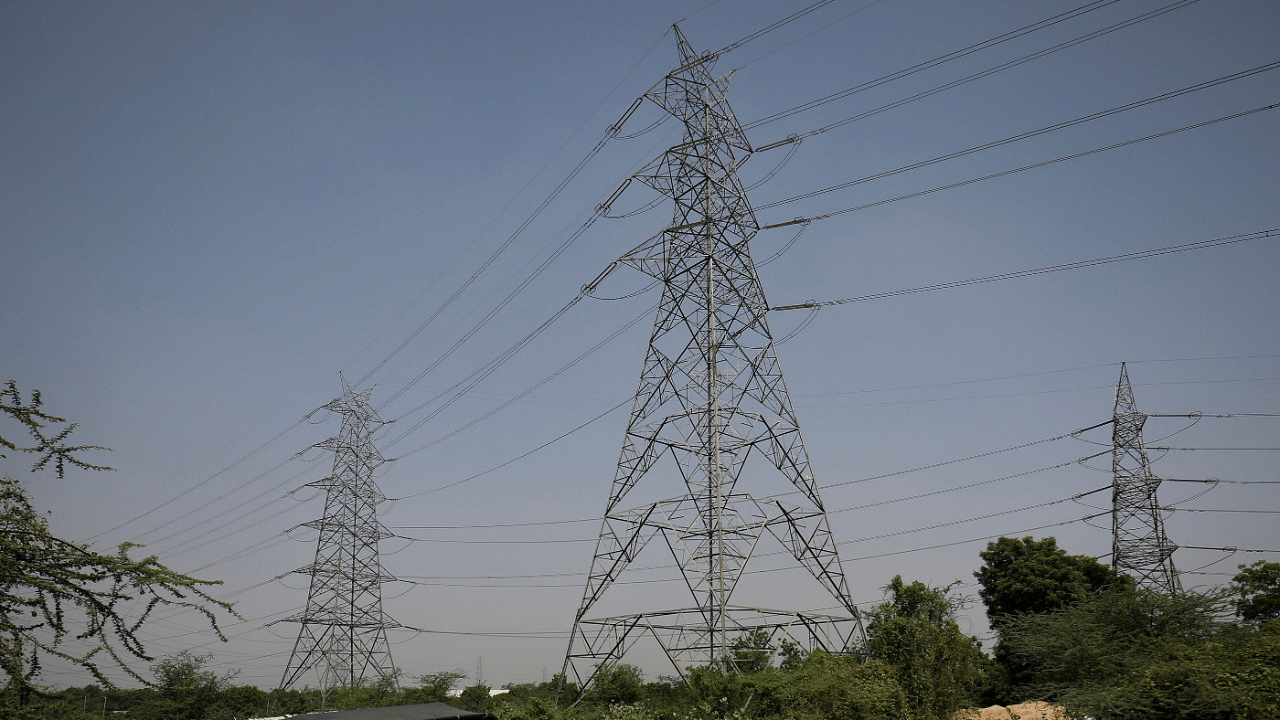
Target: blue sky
209	210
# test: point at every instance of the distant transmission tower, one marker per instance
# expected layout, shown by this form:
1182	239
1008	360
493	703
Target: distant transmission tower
1139	546
712	397
343	638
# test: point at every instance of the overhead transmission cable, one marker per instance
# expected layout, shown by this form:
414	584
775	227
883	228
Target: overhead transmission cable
987	73
935	526
520	457
1138	255
190	528
600	211
1030	133
806	36
519	396
770	28
1033	166
610	133
212	477
941	59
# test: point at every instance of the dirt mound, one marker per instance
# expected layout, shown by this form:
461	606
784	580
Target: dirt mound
1023	711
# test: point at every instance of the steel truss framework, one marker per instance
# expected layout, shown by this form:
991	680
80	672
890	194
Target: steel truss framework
1139	546
343	638
711	395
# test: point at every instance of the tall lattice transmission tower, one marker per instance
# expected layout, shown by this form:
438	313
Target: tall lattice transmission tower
1139	546
343	638
712	397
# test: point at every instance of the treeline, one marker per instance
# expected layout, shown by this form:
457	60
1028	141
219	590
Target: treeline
1069	631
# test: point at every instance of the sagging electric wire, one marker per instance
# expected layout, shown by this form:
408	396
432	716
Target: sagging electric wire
1033	166
1138	255
988	516
954	55
611	133
522	456
924	528
998	68
481	376
1026	135
770	28
490	367
967	486
211	478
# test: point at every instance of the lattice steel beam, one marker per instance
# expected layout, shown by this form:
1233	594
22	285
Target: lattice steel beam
1139	546
711	396
343	638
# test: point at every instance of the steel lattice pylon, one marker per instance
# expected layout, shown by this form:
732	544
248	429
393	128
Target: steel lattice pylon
711	392
343	638
1139	546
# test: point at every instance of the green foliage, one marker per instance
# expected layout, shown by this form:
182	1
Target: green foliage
365	692
750	652
475	698
618	684
49	586
35	423
184	689
1026	576
914	632
435	687
1140	655
1257	588
43	578
831	687
1036	576
534	701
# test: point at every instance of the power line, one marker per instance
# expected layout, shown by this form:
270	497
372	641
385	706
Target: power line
611	133
979	539
1203	415
990	71
954	55
519	457
1033	166
1032	133
1138	255
988	516
967	486
1220	510
1227	548
212	477
810	34
1216	481
763	31
1224	449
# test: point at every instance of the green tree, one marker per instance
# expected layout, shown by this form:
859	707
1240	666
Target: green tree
476	698
750	652
617	684
830	687
434	687
914	632
1141	655
185	690
1026	576
1036	576
63	599
1257	590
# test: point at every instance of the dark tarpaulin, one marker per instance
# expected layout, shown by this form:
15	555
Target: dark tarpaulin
425	711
